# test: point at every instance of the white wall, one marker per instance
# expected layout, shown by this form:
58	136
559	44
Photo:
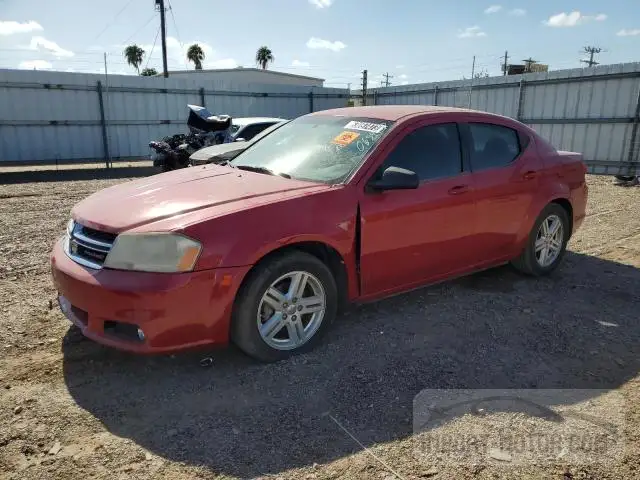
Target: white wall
56	116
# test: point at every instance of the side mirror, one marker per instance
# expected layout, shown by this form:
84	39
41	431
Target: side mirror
395	178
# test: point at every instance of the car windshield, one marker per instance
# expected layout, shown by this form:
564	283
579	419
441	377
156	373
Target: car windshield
316	148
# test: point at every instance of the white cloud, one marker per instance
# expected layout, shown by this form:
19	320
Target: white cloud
629	33
41	43
572	19
518	12
35	64
493	9
399	67
321	3
299	63
471	32
11	27
403	76
404	83
319	43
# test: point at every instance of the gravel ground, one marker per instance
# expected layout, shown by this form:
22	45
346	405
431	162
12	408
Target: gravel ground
71	409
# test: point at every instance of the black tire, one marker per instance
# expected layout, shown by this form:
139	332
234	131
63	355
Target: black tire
527	262
625	178
244	325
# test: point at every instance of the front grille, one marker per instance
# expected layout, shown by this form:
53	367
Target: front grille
89	247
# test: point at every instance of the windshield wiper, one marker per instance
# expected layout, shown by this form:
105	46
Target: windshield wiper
268	171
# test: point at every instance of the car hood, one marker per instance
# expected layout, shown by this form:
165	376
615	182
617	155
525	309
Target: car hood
216	188
208	153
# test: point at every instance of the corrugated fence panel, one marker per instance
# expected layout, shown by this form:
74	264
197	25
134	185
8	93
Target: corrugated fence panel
591	110
46	116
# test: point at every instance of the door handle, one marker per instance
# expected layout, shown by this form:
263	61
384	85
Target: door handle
458	189
530	175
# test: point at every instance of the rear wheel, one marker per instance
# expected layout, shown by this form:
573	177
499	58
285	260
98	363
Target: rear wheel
284	307
547	242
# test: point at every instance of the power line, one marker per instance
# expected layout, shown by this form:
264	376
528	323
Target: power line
113	20
386	79
140	29
175	25
152	48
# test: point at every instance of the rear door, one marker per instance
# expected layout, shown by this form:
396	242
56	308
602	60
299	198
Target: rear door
409	237
506	174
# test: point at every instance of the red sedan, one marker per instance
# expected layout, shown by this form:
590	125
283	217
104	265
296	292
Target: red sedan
344	205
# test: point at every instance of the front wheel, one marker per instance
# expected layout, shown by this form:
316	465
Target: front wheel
284	307
547	242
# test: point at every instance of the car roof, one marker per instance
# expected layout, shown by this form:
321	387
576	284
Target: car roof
243	121
394	112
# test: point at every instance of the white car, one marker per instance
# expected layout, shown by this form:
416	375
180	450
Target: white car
228	151
248	127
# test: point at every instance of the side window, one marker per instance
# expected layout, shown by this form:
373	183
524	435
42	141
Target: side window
492	145
252	130
432	152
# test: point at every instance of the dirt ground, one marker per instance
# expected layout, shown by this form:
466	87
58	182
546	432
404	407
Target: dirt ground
71	409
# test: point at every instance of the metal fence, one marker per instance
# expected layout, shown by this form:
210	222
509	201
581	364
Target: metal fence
595	111
59	116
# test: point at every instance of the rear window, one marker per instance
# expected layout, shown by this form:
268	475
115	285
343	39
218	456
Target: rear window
492	146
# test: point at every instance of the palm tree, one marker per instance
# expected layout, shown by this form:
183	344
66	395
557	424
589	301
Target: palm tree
264	57
134	54
195	54
149	72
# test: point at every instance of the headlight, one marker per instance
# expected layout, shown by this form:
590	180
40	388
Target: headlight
153	252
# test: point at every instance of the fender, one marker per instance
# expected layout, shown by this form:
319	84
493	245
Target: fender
347	257
553	191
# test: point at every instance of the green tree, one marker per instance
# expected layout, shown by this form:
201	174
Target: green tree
149	72
134	54
264	56
196	55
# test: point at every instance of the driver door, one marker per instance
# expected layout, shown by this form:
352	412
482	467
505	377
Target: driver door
412	237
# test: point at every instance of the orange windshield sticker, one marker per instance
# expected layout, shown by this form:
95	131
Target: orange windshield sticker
345	138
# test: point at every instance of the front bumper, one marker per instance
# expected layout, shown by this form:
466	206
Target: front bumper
175	311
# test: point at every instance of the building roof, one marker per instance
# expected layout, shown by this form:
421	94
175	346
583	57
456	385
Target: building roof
389	112
242	69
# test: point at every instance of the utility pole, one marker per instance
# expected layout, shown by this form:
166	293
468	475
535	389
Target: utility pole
386	82
364	87
106	110
505	65
591	51
163	34
527	64
473	72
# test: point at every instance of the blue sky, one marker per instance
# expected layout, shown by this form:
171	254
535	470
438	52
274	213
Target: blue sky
414	41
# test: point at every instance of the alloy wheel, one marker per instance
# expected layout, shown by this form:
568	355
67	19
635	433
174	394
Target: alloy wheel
291	310
549	240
